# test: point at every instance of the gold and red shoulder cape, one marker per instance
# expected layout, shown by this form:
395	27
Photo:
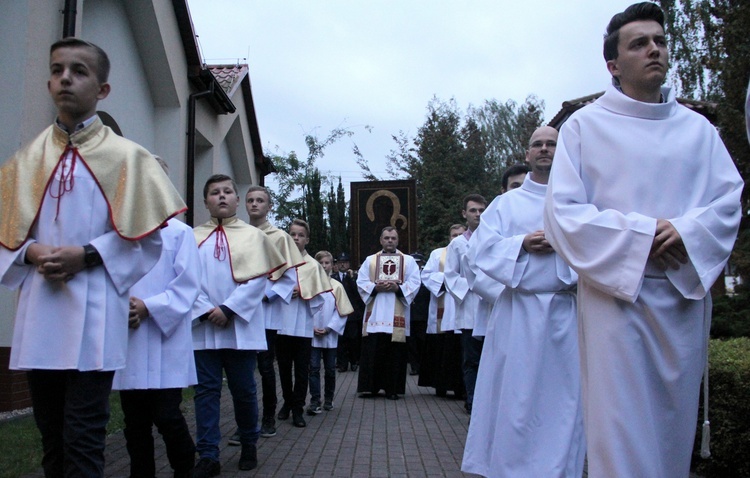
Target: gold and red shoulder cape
311	278
249	251
284	243
139	195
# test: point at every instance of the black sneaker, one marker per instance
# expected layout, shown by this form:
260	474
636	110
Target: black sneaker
268	427
283	413
355	367
206	468
234	440
248	458
297	420
328	406
314	409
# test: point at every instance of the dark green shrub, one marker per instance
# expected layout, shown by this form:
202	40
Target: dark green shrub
729	411
731	315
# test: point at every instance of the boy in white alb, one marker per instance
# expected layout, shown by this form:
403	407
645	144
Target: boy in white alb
228	323
328	324
80	211
160	354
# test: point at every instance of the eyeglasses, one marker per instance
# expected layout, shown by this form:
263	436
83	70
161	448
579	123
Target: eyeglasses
540	144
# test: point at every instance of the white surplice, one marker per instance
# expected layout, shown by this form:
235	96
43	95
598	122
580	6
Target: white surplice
472	312
620	165
381	320
247	330
80	324
328	316
434	279
527	418
279	292
160	350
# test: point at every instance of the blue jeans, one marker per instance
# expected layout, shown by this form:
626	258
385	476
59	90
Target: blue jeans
329	362
239	366
472	351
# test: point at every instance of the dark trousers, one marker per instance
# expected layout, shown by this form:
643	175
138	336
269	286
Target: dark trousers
71	410
268	374
329	364
144	408
415	342
472	351
350	344
383	365
293	352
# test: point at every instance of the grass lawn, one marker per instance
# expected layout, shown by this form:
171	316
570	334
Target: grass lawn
22	443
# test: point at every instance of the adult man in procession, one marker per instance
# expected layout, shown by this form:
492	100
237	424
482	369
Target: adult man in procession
441	366
386	322
644	203
472	312
529	363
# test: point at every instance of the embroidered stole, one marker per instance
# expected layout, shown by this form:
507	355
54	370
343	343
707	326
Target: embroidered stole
399	310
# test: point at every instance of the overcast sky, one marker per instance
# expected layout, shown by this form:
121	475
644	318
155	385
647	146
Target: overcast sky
316	65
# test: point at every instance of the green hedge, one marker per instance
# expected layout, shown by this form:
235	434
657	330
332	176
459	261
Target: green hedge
729	411
731	315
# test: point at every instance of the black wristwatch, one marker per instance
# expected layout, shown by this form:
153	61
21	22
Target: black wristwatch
91	257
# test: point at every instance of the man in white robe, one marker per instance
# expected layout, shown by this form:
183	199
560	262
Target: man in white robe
644	203
527	419
160	359
386	322
472	312
441	366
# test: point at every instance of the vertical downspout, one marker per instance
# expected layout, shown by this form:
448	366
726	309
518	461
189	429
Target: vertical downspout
69	18
190	194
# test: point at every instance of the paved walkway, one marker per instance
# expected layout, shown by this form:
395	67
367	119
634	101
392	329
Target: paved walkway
418	436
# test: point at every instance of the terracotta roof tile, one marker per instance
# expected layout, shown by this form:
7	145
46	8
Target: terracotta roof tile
229	76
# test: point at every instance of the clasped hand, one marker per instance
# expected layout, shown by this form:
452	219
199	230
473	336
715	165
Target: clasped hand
536	243
386	286
667	249
56	264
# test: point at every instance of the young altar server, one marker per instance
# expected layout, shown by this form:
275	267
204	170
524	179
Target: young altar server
228	322
294	340
81	210
160	359
328	324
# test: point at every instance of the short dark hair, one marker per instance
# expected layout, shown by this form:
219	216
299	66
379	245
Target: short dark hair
301	223
252	189
635	12
514	170
475	198
217	178
102	60
387	228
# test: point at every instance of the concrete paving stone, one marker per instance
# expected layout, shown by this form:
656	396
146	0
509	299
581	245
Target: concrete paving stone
362	437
